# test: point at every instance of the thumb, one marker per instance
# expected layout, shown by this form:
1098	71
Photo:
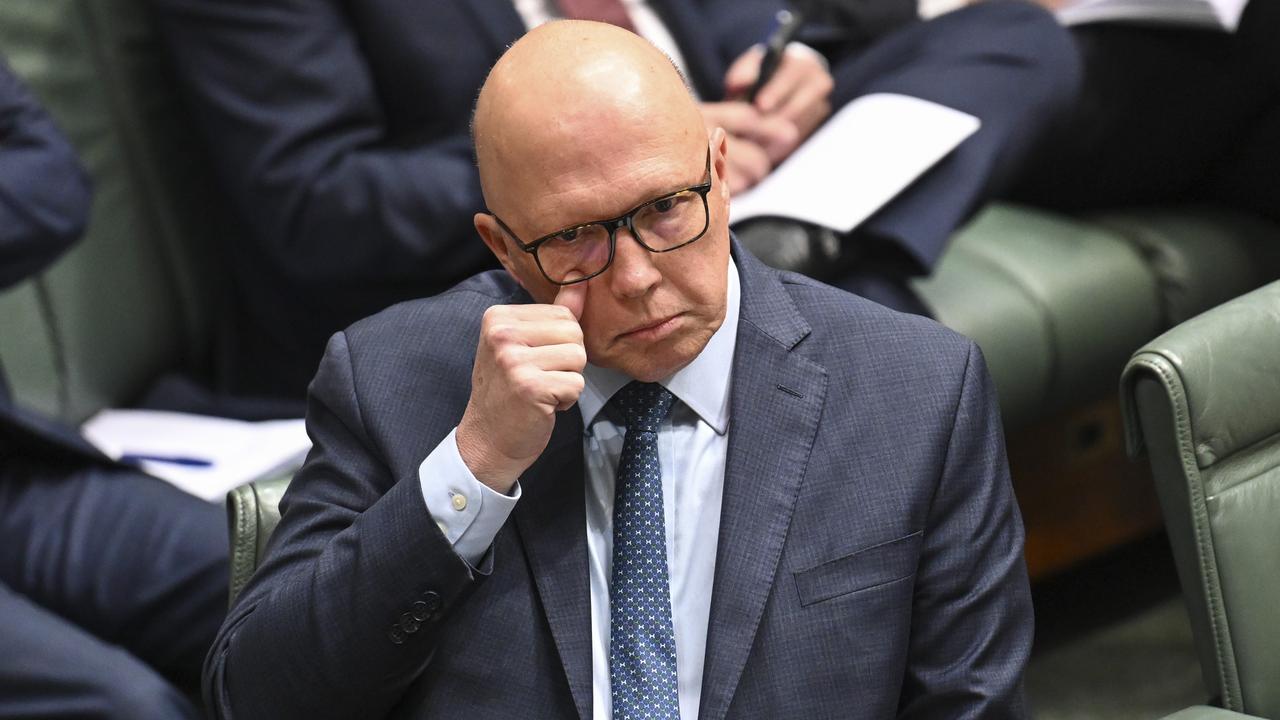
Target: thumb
572	296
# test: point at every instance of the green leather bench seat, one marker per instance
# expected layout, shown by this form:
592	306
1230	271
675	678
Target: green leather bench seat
1058	304
133	298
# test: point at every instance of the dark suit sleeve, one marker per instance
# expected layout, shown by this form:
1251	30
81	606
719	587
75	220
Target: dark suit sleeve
738	24
837	26
44	193
973	625
301	138
345	612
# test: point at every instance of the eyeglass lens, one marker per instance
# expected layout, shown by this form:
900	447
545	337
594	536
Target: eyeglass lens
661	225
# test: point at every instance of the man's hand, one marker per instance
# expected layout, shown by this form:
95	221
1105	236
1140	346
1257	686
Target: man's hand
756	143
798	92
529	363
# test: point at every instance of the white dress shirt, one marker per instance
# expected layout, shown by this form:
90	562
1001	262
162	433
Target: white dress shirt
692	447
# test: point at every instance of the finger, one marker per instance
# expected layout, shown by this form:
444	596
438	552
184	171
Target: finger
808	102
562	389
778	136
569	357
789	76
814	116
737	118
572	297
566	387
743	73
532	312
748	162
533	334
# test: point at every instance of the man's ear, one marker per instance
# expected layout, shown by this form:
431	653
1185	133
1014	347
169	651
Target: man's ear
720	161
496	240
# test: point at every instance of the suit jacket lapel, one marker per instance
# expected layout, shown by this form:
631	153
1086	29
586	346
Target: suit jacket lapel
775	402
551	520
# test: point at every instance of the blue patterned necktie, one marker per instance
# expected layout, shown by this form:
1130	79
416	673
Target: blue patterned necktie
642	641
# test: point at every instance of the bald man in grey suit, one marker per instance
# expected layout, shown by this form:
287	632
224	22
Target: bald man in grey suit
830	484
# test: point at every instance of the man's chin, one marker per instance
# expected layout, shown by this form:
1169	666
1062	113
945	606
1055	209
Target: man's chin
656	361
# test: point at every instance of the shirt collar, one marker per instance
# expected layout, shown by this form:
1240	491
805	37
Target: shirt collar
702	385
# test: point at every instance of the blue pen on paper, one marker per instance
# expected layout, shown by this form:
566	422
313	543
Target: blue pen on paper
787	27
193	462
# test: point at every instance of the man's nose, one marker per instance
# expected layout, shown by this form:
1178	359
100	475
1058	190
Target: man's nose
633	273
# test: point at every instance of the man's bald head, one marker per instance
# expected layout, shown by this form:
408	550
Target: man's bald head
575	92
580	122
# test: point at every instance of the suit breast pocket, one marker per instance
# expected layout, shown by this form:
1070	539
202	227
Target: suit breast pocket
860	570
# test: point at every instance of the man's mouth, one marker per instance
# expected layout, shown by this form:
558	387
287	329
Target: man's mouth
652	330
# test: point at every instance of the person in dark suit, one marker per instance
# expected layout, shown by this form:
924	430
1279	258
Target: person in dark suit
637	472
1167	115
340	132
109	579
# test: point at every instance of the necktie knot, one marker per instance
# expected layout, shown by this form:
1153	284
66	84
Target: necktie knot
644	405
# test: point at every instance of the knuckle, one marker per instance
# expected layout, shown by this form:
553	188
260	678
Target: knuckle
508	358
491	314
501	333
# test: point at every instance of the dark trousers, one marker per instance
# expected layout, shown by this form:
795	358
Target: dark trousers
1008	63
1169	115
112	586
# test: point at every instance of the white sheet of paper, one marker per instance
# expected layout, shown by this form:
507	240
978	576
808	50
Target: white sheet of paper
1208	14
859	160
237	451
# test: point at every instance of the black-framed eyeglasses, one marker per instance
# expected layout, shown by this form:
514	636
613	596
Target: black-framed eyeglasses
580	252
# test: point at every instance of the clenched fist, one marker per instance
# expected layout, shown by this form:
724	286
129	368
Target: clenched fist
529	363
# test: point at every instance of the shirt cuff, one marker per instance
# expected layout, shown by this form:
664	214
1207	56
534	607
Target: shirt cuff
467	511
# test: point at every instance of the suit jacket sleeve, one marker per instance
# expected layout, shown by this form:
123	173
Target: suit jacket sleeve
44	193
973	624
738	24
301	138
329	626
848	24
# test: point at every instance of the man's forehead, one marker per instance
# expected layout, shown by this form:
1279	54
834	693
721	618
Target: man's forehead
605	185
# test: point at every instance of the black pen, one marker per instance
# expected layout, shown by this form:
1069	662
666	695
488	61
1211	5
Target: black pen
788	24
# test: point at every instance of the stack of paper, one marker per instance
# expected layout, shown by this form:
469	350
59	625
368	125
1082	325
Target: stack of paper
858	161
205	456
1207	14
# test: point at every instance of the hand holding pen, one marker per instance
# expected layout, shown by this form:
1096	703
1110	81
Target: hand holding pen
781	78
774	48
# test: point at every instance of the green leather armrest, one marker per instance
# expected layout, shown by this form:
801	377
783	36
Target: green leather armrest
1204	712
253	511
1204	400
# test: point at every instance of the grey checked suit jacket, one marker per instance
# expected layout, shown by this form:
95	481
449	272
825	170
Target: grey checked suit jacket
869	563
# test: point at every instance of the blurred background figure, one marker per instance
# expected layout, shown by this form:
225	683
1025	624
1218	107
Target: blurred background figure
339	130
1168	114
112	583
